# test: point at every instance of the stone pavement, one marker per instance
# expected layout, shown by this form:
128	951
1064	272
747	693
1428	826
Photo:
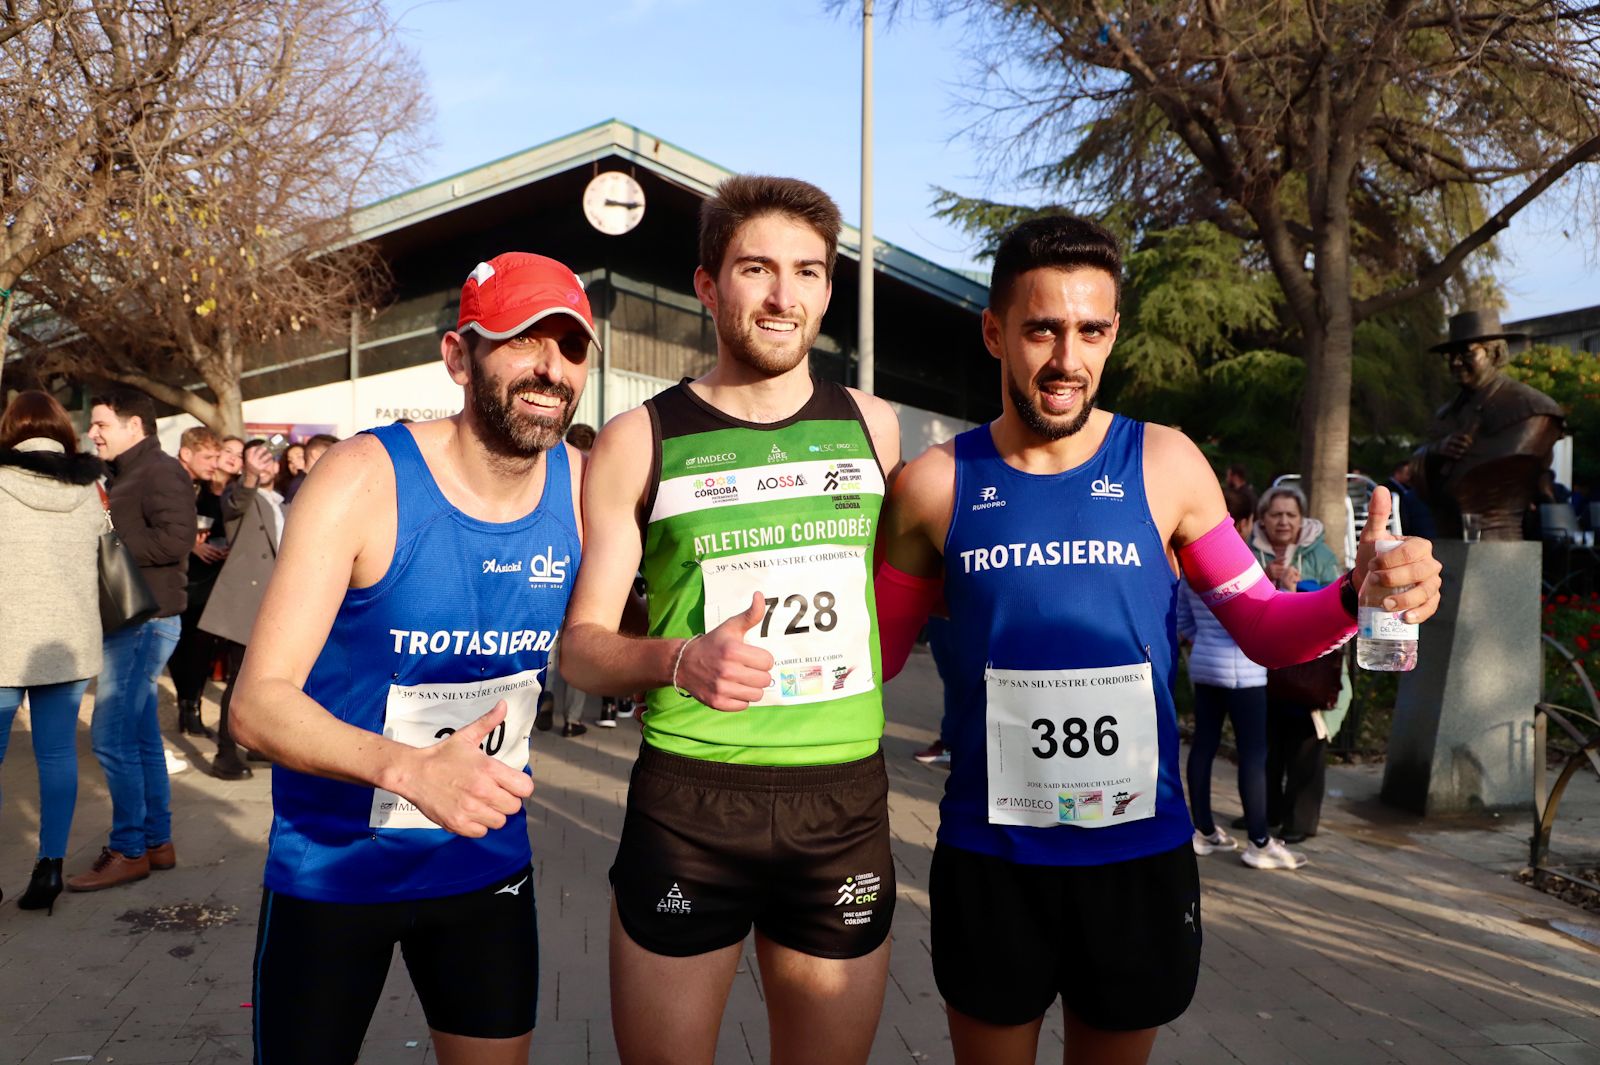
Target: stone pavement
1402	942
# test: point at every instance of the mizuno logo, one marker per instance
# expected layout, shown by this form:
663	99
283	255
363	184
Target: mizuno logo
513	889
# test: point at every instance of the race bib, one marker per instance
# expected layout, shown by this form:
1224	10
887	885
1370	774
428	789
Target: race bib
815	625
1071	746
420	715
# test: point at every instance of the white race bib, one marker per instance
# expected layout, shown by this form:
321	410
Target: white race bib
420	715
1071	746
815	625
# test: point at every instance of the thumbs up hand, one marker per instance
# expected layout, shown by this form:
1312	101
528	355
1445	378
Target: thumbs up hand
723	671
1410	573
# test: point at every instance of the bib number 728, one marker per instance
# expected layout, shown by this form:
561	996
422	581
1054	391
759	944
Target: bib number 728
1075	737
820	607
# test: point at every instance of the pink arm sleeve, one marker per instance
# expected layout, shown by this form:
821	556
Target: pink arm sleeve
904	603
1271	627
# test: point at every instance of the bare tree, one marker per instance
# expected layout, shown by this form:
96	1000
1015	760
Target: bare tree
158	144
1355	143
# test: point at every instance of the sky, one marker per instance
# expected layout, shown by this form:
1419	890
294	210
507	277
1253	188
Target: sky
761	86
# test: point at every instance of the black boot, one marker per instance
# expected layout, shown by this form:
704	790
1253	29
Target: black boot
43	888
189	722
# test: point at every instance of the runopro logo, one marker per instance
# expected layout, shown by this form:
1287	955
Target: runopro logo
990	498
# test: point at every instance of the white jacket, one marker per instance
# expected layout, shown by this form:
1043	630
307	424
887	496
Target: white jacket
1215	659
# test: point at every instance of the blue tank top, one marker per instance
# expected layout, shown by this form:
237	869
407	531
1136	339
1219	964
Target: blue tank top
1061	603
465	615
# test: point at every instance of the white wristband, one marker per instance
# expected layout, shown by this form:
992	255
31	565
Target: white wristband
678	662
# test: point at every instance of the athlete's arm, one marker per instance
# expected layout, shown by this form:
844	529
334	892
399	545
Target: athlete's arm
883	426
911	535
327	548
1271	627
718	668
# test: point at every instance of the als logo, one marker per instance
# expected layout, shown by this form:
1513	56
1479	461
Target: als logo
546	569
1105	488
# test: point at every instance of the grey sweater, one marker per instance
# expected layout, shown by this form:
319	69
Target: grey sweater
50	524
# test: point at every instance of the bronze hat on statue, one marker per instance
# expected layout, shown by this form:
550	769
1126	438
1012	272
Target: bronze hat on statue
1474	326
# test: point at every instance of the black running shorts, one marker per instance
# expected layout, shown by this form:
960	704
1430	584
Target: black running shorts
1119	943
800	852
320	967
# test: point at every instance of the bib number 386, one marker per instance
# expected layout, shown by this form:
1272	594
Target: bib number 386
1071	747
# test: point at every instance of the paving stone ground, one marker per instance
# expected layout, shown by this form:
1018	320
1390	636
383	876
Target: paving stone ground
1404	941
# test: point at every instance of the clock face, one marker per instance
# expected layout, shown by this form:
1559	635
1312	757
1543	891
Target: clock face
613	202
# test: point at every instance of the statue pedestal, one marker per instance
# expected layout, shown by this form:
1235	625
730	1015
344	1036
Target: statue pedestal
1462	739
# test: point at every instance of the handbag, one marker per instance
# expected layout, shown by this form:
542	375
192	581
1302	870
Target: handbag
125	596
1314	685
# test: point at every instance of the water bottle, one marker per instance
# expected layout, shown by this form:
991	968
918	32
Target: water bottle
1384	642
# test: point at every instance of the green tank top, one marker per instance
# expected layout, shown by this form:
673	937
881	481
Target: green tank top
790	510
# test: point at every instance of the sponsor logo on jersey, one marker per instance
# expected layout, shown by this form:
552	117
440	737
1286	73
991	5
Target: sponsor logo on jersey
989	498
470	641
1051	553
546	569
709	460
824	449
494	565
1024	802
777	454
1105	488
717	489
674	902
1122	800
780	480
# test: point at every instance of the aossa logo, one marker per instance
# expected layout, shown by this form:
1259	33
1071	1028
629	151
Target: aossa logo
1105	488
545	569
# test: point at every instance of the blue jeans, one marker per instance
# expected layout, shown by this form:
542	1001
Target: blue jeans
1248	709
54	710
127	734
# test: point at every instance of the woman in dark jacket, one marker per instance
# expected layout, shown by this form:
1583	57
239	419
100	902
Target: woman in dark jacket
50	524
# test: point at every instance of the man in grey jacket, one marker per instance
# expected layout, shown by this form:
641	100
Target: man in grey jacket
152	506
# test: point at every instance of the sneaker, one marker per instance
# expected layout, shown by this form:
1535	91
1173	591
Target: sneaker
1217	841
1273	856
608	715
574	728
933	754
174	763
626	708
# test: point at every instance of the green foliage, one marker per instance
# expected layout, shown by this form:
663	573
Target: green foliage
1572	380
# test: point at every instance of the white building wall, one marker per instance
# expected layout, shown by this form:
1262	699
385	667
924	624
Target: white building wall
426	391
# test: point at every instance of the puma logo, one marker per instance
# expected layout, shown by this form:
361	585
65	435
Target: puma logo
513	889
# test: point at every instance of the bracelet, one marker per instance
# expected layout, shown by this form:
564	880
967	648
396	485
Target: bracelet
679	661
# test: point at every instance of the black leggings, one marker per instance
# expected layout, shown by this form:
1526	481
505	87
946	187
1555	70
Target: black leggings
1247	707
1296	769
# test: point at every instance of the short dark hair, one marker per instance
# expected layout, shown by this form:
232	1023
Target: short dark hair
1240	504
125	403
746	196
581	436
1060	241
34	414
322	441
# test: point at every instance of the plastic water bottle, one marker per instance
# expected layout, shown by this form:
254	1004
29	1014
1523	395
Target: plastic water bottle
1384	641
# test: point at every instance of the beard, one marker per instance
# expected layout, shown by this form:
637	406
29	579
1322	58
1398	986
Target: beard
745	342
510	432
1048	426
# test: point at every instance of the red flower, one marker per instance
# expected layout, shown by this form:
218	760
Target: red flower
1582	642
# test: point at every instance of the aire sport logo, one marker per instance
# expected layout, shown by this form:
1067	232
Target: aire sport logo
843	477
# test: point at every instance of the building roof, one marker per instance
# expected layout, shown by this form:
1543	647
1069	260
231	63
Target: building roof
613	139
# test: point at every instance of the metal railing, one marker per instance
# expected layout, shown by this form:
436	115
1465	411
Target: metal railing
1547	800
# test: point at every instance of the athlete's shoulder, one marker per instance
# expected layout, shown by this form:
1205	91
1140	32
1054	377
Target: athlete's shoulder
928	482
872	407
625	432
1170	450
359	460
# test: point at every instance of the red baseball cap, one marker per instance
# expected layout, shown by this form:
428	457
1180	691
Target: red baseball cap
515	289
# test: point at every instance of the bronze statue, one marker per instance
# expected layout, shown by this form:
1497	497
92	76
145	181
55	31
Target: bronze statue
1489	445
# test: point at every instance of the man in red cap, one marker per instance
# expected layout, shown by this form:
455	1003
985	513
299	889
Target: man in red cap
393	676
